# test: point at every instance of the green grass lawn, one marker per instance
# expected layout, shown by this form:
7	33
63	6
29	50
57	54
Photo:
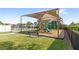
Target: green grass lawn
23	42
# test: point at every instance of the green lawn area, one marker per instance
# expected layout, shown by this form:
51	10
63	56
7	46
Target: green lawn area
23	42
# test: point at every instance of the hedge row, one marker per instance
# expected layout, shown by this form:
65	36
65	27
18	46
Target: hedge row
72	27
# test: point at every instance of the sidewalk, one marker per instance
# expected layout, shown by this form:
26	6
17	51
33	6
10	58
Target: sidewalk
7	34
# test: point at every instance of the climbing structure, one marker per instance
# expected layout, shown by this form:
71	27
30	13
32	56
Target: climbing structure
47	26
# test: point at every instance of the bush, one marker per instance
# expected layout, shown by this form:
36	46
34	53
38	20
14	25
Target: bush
74	27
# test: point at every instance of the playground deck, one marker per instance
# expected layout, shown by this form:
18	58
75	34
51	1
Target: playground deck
53	34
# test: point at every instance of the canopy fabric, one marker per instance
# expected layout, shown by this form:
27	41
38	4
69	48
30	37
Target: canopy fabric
38	15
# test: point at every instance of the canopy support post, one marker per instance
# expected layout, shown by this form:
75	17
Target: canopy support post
20	23
58	23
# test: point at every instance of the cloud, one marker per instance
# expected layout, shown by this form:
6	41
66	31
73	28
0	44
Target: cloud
15	20
12	20
70	20
63	11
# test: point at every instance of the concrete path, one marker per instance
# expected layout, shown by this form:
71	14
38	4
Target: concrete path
7	34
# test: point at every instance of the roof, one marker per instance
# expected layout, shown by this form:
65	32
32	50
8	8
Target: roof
38	15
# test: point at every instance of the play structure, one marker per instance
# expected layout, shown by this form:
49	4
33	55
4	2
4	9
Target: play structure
49	23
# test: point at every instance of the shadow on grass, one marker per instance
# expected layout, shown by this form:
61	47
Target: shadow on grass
57	45
31	46
9	45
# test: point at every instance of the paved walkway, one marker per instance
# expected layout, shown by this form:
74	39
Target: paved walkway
7	34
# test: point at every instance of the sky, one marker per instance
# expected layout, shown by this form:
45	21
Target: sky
12	15
69	15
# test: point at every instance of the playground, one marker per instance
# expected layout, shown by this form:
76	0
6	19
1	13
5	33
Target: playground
49	23
48	34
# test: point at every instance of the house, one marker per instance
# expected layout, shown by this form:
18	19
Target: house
5	28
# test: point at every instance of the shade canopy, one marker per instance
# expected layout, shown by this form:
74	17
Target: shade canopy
38	15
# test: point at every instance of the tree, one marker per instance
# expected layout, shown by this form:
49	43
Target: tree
35	24
1	22
28	24
65	26
72	23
